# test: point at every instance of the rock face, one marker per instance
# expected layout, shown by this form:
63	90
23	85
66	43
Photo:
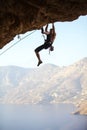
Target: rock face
82	108
20	16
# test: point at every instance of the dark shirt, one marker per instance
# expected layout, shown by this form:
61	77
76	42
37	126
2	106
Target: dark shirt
48	38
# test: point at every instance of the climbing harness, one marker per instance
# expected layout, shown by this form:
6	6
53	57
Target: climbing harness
17	42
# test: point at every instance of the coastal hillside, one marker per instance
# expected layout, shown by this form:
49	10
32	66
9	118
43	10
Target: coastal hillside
46	84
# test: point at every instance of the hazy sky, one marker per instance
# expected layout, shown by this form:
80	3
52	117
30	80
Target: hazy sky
70	46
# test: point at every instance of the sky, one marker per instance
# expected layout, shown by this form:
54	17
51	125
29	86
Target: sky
70	46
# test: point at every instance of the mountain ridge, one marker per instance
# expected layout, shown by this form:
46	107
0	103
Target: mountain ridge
47	84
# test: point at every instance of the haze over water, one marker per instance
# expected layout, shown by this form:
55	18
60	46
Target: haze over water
41	117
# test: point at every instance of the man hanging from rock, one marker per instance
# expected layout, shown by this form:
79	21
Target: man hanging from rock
48	41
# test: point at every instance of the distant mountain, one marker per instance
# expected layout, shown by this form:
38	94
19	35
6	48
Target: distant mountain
46	84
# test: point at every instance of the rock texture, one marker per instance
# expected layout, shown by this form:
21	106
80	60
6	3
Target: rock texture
82	108
20	16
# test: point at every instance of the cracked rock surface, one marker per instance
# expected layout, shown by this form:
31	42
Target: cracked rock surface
20	16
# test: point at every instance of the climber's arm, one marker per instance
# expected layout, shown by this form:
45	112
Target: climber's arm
45	32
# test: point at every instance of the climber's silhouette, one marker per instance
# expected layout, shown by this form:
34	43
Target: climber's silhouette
48	42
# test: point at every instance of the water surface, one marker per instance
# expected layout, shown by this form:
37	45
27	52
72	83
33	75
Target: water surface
41	117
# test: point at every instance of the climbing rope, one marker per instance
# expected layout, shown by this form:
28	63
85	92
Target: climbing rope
16	43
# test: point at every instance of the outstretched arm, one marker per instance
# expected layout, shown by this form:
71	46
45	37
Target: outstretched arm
46	28
54	33
45	32
53	27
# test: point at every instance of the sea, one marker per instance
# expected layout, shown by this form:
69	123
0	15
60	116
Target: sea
41	117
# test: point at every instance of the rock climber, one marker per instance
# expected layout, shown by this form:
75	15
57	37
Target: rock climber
50	37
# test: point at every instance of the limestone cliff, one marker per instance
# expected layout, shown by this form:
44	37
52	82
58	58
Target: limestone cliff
20	16
82	108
